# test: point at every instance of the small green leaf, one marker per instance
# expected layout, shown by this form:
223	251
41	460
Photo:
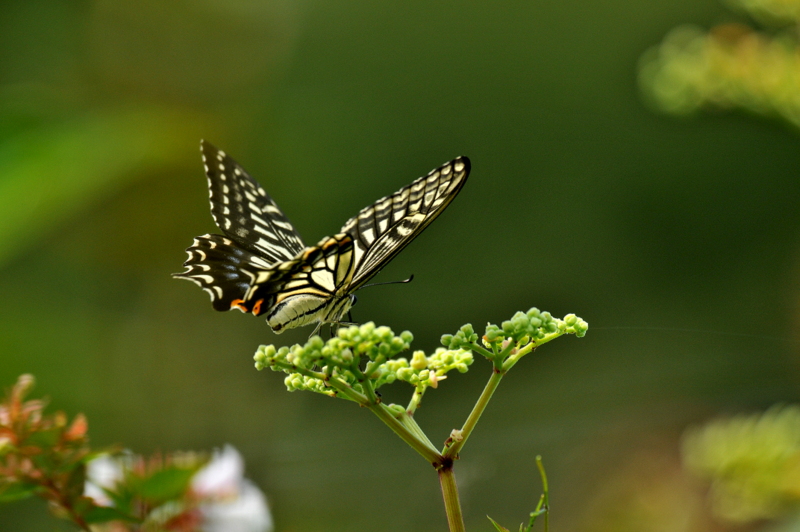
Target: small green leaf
17	490
103	514
497	526
44	438
166	484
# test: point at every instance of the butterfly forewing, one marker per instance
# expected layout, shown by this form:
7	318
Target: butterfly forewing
383	229
244	211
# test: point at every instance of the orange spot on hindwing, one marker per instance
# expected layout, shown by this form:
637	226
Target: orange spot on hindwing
238	303
257	307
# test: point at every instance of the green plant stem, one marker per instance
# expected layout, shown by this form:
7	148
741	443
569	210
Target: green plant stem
423	447
416	399
411	424
482	351
527	348
545	502
452	451
452	506
412	436
369	391
346	390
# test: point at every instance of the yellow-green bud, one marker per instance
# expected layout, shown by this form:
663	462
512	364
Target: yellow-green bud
418	360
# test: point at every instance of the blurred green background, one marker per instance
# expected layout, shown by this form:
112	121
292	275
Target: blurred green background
678	240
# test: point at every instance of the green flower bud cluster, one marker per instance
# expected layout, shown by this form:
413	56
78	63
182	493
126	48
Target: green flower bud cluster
343	351
358	354
465	337
426	372
360	358
295	381
523	326
520	329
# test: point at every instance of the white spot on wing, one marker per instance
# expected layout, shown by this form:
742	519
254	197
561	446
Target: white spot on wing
324	278
206	279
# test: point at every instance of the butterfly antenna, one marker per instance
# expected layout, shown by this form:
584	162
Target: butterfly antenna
404	281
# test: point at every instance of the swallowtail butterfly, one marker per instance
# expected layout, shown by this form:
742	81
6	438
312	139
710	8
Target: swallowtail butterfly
261	265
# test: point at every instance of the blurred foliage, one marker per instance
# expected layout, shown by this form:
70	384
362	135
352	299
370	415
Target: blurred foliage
580	199
753	462
54	172
732	66
44	455
111	491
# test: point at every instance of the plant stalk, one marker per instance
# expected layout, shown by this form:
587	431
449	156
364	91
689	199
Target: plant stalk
451	451
447	480
424	448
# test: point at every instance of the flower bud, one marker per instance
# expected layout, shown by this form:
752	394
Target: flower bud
384	333
367	329
347	356
419	361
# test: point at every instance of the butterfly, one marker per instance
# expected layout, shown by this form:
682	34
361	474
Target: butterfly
261	265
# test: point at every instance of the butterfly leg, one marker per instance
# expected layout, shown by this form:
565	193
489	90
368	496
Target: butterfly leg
316	330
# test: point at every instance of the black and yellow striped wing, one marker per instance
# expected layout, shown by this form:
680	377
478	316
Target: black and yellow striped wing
257	233
383	229
245	212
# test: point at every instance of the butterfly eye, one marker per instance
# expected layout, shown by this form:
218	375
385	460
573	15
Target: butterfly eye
353	300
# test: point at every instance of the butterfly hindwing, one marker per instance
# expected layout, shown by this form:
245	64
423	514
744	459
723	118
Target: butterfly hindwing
244	211
295	292
222	268
383	229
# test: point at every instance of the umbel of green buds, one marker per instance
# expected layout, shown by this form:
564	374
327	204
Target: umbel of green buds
530	328
359	359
